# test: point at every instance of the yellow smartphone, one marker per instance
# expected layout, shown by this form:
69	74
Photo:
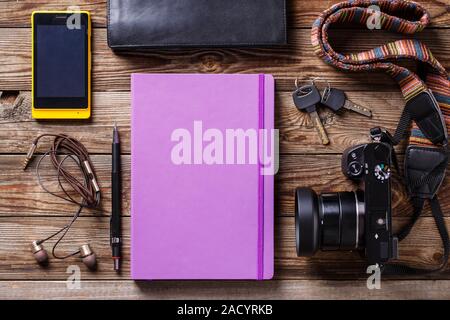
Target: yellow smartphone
61	65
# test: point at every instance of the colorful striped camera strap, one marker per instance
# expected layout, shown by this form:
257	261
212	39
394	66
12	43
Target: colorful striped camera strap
384	14
430	85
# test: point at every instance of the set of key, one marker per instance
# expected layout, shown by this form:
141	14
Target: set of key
307	98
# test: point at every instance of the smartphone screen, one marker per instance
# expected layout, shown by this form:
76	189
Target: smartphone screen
61	62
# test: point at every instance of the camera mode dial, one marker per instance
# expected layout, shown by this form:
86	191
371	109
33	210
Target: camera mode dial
382	172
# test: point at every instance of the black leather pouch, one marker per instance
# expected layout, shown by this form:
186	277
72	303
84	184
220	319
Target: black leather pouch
195	23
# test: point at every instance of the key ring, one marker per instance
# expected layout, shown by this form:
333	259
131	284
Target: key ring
297	81
313	82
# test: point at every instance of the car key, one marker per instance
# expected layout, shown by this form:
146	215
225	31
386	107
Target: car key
306	99
336	100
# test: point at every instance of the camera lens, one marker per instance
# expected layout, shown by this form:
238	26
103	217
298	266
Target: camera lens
332	221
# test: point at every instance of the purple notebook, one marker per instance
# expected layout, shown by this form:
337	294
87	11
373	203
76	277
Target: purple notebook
201	206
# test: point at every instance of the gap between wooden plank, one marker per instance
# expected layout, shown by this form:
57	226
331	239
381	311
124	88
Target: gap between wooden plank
264	290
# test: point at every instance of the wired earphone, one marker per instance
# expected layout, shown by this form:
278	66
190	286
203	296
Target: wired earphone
66	148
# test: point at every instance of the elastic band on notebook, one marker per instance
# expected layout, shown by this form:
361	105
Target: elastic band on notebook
261	180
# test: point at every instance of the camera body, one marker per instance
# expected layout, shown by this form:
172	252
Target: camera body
360	220
370	163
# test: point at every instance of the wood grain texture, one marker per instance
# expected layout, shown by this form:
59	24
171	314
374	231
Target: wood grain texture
220	290
301	13
111	71
26	212
297	135
21	195
422	249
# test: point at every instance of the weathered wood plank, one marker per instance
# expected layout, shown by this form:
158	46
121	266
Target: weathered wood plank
301	13
323	173
304	12
21	195
26	212
17	13
111	72
422	248
224	290
297	135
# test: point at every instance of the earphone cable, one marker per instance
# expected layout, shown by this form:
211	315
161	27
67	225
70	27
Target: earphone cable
77	214
87	189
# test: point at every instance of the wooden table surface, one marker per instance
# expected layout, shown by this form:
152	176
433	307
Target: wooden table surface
26	212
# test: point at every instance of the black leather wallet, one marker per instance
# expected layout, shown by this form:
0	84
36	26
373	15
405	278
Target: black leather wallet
195	23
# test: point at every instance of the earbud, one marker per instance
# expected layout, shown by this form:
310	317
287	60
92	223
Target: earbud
39	252
88	257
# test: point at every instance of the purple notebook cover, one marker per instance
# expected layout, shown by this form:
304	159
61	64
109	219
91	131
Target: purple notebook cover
199	221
